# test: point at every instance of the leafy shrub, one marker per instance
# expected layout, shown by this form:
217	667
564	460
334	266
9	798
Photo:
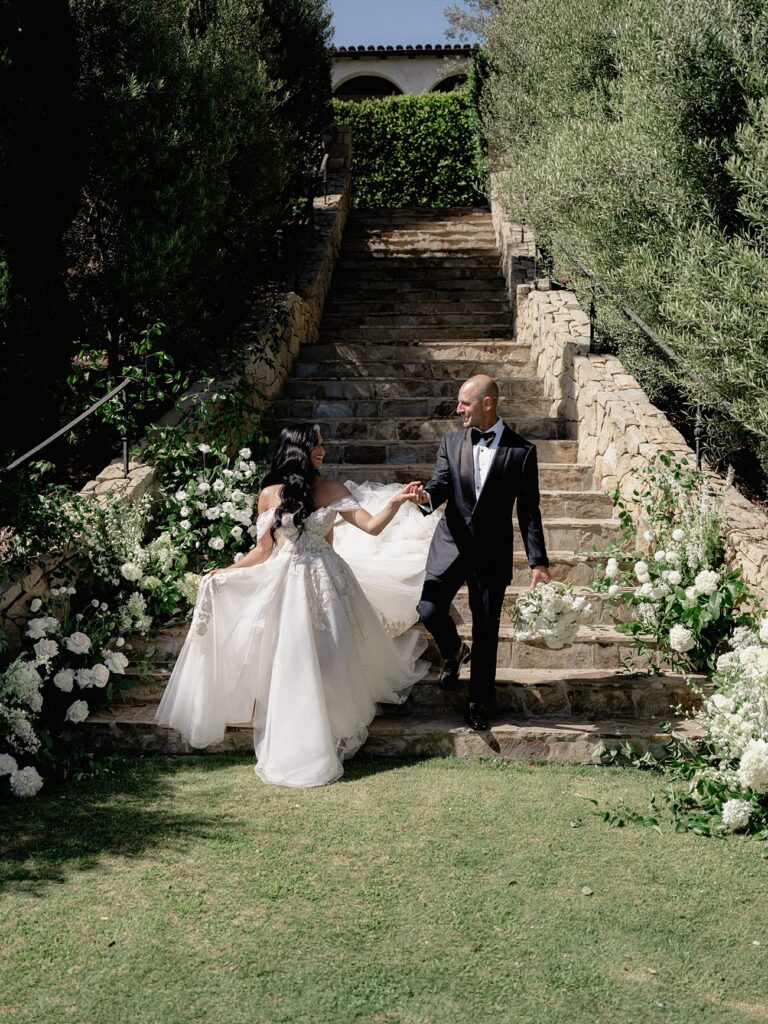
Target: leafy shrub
413	151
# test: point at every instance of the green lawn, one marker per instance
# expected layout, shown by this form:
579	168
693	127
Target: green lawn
440	891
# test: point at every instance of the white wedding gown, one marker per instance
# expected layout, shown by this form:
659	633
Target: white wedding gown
305	644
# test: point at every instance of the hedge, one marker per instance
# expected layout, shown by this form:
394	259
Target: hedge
415	150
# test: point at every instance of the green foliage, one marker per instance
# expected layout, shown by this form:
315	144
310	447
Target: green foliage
413	151
636	135
186	130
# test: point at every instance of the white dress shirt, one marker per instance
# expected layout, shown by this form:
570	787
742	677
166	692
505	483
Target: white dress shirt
483	455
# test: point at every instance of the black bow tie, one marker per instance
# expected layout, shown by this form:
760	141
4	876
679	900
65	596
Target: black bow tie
478	435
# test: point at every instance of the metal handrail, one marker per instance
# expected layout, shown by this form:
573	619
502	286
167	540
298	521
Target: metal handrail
699	431
78	419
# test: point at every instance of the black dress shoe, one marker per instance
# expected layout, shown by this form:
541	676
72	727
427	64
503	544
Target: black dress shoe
449	676
476	716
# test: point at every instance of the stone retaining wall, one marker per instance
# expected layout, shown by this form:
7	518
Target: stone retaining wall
269	359
617	427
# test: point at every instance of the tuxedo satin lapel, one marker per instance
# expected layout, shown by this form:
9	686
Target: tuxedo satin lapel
467	471
496	468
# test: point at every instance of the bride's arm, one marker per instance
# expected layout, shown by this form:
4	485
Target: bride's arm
263	549
374	524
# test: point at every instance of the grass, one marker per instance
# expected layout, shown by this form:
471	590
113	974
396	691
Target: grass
432	892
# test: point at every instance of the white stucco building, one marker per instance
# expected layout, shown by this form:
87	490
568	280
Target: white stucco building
361	72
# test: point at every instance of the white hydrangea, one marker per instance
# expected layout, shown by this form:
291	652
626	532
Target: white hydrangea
8	764
131	571
678	535
672	576
672	557
706	582
150	583
26	735
736	814
613	589
681	639
753	770
641	572
763	630
64	679
660	556
26	782
77	712
612	568
78	643
115	662
217	543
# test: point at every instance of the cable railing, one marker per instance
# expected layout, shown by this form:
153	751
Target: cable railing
545	261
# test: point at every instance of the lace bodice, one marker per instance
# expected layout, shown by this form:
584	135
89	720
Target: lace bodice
316	527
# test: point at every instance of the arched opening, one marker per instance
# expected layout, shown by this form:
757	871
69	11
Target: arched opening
451	84
366	87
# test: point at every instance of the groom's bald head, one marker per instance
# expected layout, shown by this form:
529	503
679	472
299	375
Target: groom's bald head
478	399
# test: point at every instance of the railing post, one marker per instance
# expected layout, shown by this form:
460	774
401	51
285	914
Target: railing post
592	314
124	430
699	436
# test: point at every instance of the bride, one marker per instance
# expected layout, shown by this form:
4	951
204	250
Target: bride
297	639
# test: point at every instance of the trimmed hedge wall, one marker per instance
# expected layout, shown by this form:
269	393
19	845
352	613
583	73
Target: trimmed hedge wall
413	151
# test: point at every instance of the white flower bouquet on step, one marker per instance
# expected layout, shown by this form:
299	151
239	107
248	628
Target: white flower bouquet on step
551	613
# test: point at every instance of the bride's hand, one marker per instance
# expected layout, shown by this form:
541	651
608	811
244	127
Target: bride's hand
407	493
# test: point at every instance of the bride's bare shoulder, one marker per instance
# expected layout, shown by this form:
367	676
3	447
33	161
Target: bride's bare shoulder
325	492
269	497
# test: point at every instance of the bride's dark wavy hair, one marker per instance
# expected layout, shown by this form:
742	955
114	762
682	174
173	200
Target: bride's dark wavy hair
292	468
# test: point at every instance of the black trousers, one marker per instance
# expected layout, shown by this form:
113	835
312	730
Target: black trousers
485	601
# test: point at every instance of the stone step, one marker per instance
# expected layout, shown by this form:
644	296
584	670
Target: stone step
417	216
387	335
557	738
480	233
522	393
424	271
377	288
421	353
552	476
343	451
354	307
430	246
575	693
457	369
349	321
534	428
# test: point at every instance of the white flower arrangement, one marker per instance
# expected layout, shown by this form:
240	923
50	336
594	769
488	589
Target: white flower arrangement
26	782
77	712
736	814
550	612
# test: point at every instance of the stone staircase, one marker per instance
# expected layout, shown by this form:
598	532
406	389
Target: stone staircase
417	305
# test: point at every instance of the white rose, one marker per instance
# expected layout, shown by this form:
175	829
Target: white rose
218	485
100	675
36	605
39	628
736	814
46	649
77	712
203	487
120	642
204	448
26	782
678	535
236	532
213	512
239	555
64	679
78	643
181	495
217	543
185	524
116	662
94	603
253	531
612	568
244	453
613	589
84	678
185	510
681	639
130	571
8	764
641	571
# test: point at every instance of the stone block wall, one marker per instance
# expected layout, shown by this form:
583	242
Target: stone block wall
268	360
618	428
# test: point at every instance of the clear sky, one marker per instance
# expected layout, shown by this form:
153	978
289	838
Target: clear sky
390	22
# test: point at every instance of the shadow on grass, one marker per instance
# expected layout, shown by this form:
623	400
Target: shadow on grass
72	826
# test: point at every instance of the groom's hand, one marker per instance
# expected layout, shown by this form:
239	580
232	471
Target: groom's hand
540	574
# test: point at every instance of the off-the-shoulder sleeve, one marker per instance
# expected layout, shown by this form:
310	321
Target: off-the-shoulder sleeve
345	504
263	522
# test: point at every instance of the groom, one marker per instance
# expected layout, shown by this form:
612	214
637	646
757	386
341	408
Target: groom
481	472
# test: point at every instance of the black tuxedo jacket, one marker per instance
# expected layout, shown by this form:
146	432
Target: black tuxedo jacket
480	532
